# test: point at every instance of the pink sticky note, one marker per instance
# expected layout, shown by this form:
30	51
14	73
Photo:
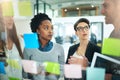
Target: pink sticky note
72	71
30	66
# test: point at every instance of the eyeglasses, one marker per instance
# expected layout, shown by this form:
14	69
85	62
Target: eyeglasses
79	28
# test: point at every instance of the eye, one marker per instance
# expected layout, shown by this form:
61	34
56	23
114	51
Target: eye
86	27
46	28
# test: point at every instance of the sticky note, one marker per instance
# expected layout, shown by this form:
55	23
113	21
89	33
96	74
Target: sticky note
2	68
13	63
30	66
31	40
7	8
95	73
25	8
111	46
12	78
52	67
72	71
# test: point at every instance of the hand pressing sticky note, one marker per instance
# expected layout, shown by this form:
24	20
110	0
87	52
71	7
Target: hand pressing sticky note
2	68
7	8
25	8
111	46
52	67
95	73
72	71
31	40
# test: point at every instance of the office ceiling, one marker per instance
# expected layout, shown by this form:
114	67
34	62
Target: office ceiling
55	4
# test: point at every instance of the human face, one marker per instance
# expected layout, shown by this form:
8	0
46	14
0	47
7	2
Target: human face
82	30
109	10
8	21
45	30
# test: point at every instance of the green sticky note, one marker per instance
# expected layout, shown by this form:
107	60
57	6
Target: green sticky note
25	8
12	78
111	46
95	73
52	67
13	63
7	8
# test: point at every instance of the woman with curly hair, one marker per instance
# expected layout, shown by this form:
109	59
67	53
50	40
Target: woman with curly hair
47	51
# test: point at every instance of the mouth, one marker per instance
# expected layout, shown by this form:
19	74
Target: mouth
84	34
50	35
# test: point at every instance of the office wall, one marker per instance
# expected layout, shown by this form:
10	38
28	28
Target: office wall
23	24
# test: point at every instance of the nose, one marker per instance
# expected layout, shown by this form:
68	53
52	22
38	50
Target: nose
51	30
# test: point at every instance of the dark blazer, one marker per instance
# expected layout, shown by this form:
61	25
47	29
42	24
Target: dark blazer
91	48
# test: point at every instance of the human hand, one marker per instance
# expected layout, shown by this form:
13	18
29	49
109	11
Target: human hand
82	61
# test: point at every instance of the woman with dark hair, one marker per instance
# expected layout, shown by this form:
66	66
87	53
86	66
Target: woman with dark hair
82	53
47	51
85	49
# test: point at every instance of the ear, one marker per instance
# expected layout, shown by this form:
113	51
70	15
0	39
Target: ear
37	31
76	33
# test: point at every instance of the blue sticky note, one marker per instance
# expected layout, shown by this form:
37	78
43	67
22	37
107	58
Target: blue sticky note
2	68
31	40
95	73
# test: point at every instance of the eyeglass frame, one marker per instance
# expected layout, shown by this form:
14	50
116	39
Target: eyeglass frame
80	28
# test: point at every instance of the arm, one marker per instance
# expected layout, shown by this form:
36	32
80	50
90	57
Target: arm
61	60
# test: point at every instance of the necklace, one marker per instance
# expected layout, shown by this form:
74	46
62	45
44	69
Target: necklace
80	54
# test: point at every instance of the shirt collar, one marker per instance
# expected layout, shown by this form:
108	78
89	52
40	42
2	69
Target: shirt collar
48	46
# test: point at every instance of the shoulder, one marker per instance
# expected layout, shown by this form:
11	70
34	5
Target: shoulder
92	44
57	45
94	47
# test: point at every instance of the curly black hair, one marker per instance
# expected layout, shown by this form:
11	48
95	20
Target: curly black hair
37	20
81	20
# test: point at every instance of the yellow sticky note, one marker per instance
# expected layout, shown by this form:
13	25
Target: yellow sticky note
52	67
25	8
7	8
13	63
111	46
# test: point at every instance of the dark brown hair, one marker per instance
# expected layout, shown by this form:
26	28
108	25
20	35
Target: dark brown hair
81	20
